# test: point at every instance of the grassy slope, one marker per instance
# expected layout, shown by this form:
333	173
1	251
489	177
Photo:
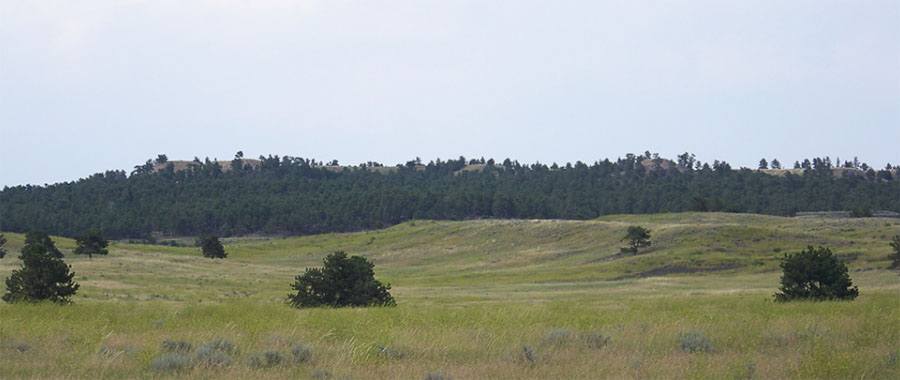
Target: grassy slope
472	293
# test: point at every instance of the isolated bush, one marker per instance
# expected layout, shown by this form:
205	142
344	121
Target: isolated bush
815	274
341	282
693	341
212	248
595	340
895	255
269	358
211	357
559	337
91	242
301	353
215	354
636	237
171	362
527	355
43	276
20	346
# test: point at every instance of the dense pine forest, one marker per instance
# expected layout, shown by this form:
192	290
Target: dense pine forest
291	196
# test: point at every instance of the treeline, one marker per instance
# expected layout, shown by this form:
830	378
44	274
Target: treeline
291	196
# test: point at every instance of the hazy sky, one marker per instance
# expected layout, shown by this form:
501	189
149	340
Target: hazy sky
87	86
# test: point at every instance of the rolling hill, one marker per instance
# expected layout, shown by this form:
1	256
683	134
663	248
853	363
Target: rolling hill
497	299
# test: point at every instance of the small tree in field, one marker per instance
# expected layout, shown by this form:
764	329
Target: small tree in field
895	256
212	247
341	282
2	246
43	276
636	237
815	274
91	242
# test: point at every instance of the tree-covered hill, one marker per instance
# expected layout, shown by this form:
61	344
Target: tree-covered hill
289	195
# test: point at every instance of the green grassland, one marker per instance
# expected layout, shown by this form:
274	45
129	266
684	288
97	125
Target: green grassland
484	299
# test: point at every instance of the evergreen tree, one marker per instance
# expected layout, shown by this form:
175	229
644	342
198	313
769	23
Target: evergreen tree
776	164
763	164
290	196
636	237
816	274
340	282
38	237
212	248
2	246
895	255
91	242
43	276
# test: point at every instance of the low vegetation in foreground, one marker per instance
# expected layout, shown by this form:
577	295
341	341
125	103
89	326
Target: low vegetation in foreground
475	300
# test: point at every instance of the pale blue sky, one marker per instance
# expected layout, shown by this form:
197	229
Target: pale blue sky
87	86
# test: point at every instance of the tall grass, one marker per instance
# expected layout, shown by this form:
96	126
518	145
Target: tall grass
472	296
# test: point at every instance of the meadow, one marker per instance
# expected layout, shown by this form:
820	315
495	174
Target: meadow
481	299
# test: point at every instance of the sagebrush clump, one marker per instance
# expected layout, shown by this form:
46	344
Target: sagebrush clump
269	358
171	362
694	341
301	352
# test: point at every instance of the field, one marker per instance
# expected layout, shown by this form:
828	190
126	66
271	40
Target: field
478	299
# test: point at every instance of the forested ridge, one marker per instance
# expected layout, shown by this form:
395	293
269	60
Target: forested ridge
290	195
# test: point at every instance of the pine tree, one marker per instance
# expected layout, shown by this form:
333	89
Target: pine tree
91	242
341	282
895	255
637	237
2	246
212	247
43	276
38	237
816	274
